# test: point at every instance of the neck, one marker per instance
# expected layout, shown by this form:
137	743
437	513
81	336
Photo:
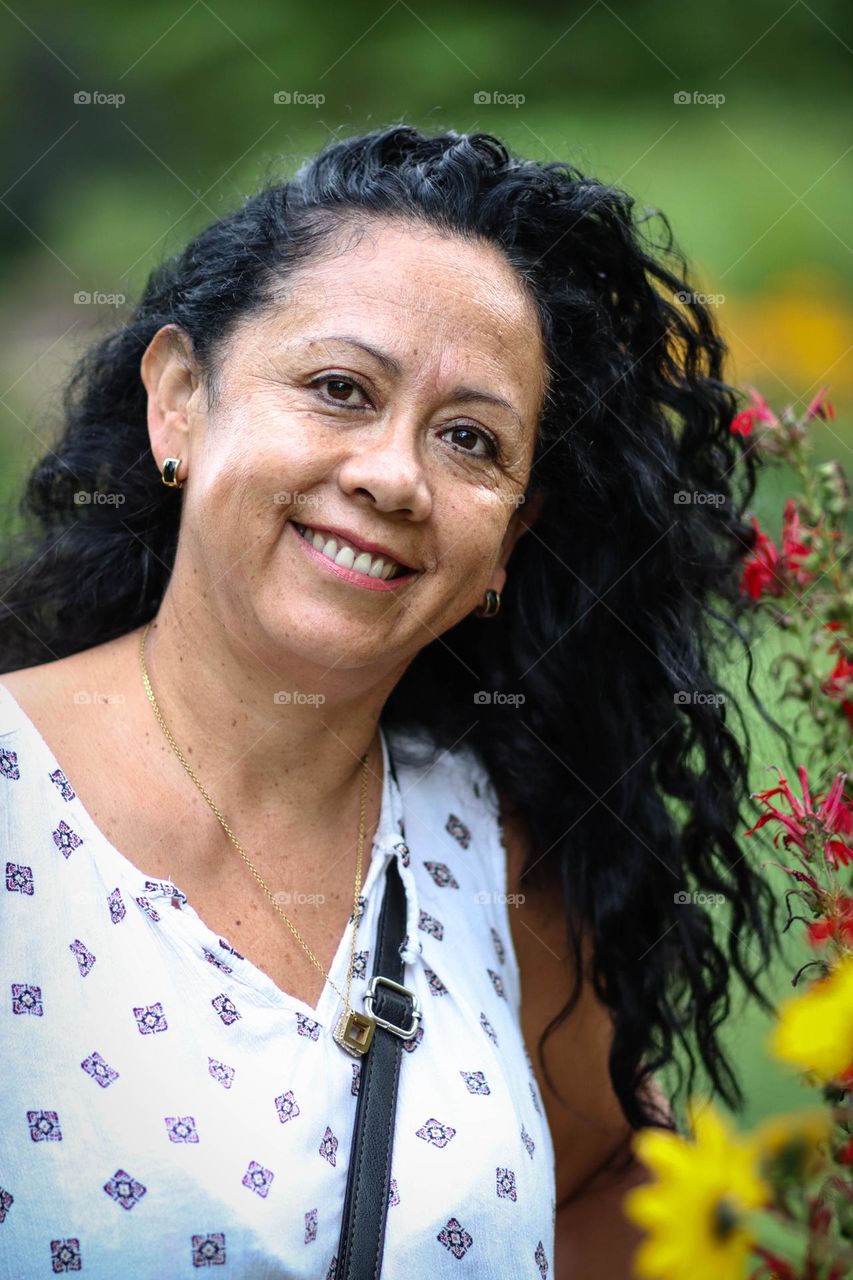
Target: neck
259	739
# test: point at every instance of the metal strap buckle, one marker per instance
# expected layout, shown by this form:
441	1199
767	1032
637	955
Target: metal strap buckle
390	1026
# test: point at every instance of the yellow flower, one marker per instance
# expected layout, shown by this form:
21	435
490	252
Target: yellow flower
695	1213
815	1029
793	1142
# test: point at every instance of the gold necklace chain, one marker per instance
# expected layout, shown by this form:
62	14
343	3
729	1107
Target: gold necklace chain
240	850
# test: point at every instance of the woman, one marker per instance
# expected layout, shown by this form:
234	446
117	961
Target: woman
369	531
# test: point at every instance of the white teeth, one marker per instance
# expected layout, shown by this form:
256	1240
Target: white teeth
346	556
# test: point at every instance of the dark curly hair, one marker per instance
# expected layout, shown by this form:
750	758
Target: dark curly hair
621	760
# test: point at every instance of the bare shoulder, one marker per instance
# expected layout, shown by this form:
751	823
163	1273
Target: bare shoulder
55	695
587	1123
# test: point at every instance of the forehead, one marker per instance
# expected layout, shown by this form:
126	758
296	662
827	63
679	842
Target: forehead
443	306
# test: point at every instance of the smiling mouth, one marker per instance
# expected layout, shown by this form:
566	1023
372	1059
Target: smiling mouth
346	556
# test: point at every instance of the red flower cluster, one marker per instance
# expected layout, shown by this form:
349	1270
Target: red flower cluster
827	829
839	682
759	411
768	571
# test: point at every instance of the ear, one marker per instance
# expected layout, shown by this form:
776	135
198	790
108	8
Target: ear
522	519
170	377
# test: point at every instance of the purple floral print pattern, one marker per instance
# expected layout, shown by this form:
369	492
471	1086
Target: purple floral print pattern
124	1189
258	1179
224	1074
476	1082
181	1128
328	1146
99	1069
6	1202
500	950
84	957
540	1260
436	986
62	785
19	879
497	983
65	1255
455	1238
150	1019
9	765
209	1251
434	1131
442	875
430	925
213	959
310	1226
116	906
306	1026
458	830
225	1009
506	1184
65	839
26	998
488	1028
286	1106
44	1126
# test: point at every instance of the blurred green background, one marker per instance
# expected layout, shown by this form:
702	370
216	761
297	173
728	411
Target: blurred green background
733	119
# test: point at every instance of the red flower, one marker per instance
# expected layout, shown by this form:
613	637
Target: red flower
794	549
820	407
833	817
760	411
845	1155
840	679
760	575
838	923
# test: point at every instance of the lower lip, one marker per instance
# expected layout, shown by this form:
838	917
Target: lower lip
350	575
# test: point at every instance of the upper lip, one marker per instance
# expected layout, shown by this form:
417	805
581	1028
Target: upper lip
363	544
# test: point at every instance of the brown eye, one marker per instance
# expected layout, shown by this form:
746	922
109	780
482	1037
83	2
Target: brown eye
473	436
340	389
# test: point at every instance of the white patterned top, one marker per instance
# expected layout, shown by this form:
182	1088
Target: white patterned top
165	1108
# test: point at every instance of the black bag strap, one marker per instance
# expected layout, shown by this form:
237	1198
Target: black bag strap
362	1238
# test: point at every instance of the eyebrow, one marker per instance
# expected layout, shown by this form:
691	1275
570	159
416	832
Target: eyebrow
461	394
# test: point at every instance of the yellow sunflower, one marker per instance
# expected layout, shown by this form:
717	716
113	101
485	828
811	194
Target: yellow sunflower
815	1029
697	1212
794	1144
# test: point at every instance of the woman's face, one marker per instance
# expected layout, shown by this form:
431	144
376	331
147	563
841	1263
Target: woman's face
422	445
